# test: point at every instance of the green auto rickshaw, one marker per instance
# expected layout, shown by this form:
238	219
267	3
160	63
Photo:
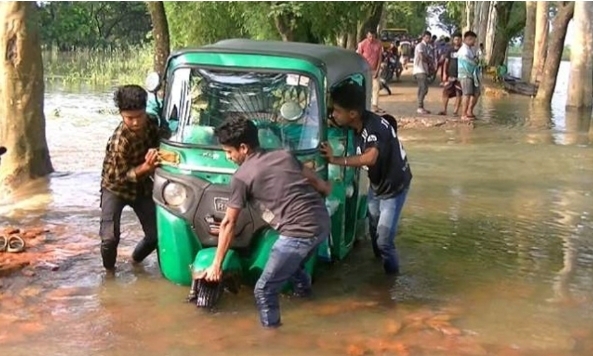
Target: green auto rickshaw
284	88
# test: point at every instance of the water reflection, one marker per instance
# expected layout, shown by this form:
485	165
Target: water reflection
577	126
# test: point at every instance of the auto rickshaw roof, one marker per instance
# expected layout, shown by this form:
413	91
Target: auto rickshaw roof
338	63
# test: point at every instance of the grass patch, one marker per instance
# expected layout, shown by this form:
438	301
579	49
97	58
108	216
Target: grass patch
98	67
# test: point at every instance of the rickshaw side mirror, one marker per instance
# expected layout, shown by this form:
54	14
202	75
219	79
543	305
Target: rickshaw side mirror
153	82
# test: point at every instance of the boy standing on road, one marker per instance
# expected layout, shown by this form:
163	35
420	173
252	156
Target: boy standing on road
131	157
380	152
288	195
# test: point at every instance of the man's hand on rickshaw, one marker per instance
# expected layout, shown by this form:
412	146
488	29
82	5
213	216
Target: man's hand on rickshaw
152	157
326	151
213	274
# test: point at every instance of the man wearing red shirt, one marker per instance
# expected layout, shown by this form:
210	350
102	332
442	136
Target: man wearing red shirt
372	50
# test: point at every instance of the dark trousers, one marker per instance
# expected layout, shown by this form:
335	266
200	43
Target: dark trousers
422	80
111	209
286	263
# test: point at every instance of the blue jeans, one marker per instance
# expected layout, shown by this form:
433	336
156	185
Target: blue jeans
286	263
383	217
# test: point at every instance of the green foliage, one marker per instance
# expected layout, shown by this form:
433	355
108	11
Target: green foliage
411	15
198	23
99	38
98	67
449	14
516	23
95	25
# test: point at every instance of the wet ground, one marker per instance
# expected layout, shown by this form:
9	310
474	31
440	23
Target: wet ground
496	242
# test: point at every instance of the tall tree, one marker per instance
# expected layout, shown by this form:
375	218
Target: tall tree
22	122
580	83
491	30
501	40
528	40
483	21
541	41
555	47
160	33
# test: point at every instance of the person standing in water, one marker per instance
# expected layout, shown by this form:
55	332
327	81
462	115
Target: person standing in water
131	157
380	152
291	199
469	77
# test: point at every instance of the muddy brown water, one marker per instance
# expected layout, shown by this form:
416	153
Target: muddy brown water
496	243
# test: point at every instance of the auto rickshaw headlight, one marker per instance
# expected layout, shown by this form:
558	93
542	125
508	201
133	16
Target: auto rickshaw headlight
174	194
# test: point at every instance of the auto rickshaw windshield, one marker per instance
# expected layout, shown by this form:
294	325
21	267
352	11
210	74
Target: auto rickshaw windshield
284	106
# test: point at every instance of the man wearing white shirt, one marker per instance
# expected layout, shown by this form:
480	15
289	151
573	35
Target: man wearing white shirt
420	71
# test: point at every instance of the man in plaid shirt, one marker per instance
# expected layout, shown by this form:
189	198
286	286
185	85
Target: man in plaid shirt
130	159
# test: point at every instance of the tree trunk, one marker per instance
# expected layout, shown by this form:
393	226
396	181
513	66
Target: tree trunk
528	40
555	47
541	41
501	39
22	122
483	28
284	28
492	20
372	21
477	6
580	83
160	32
352	42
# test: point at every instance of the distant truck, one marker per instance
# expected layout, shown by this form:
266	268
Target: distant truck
389	35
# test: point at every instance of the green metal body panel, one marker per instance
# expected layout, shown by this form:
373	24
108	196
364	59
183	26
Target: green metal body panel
179	247
204	258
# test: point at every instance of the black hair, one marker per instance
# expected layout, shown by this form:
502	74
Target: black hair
130	97
457	34
447	39
372	31
426	33
469	34
434	37
481	45
236	131
349	96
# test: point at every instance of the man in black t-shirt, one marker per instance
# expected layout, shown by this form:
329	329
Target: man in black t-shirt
452	86
379	151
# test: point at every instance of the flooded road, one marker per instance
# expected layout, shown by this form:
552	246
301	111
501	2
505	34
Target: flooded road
496	243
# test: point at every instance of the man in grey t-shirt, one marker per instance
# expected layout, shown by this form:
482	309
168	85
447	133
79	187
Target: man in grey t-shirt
288	197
